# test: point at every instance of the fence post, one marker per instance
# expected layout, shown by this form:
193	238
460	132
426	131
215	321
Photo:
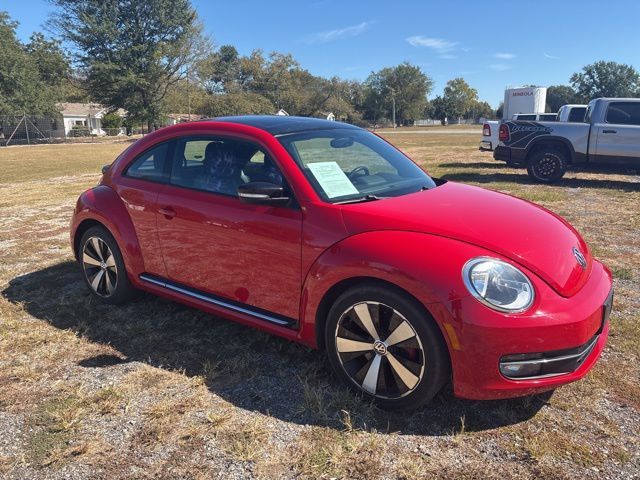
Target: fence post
26	127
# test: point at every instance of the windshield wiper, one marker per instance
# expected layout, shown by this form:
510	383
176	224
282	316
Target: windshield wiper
366	198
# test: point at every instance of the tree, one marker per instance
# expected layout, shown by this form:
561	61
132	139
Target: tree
559	95
440	108
277	78
480	110
186	95
219	71
606	79
500	110
111	120
49	59
131	52
218	105
404	87
22	88
459	98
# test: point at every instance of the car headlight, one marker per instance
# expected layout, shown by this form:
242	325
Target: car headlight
498	285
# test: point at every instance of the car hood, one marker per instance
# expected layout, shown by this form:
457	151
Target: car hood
513	228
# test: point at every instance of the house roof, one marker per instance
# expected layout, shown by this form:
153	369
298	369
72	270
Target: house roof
184	116
85	109
80	109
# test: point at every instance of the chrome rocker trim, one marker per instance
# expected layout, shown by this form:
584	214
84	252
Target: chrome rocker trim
214	300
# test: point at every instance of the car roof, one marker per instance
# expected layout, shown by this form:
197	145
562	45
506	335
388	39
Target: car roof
281	124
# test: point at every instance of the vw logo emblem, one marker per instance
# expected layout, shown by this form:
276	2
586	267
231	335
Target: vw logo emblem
380	348
580	258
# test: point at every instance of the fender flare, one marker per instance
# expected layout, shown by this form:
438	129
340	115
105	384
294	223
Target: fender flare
418	268
552	139
103	205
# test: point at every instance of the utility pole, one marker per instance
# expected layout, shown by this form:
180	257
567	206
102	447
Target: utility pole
188	95
393	101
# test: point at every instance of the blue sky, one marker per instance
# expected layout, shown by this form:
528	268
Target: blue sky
491	44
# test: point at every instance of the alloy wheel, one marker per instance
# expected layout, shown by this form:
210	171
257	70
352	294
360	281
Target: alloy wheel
379	350
99	266
547	166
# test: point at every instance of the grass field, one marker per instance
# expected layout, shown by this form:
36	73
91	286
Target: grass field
158	390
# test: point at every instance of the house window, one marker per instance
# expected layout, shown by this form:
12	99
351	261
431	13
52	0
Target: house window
81	123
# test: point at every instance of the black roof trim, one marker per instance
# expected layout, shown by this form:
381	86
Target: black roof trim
281	124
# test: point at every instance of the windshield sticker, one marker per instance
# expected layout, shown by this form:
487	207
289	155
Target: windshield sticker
332	179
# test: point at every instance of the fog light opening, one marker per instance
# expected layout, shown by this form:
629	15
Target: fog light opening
521	370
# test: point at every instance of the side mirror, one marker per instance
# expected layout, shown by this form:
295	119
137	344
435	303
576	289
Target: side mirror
262	193
105	168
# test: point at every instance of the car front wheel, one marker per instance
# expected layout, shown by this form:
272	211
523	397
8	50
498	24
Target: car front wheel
384	345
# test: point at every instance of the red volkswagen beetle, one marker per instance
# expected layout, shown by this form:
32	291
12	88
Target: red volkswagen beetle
325	234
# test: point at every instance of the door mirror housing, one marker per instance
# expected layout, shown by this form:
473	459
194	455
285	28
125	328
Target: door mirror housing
263	193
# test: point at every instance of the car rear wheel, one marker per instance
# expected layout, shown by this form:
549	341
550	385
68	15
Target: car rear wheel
382	344
103	266
547	165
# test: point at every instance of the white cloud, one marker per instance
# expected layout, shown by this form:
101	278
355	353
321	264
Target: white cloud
438	44
330	35
552	57
500	67
505	56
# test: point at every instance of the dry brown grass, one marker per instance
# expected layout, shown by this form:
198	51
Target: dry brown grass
157	390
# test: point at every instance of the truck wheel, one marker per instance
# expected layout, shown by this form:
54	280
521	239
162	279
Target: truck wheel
547	165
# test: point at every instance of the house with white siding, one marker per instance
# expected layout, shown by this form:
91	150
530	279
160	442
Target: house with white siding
85	116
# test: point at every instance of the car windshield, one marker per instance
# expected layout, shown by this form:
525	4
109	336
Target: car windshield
348	164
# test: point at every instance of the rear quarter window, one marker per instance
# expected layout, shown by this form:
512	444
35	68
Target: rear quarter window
577	114
150	165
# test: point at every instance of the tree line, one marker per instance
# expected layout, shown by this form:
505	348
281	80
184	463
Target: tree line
152	58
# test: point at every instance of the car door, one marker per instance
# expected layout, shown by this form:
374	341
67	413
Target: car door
214	243
618	137
139	187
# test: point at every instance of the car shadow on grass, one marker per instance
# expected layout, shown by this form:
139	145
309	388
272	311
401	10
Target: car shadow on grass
523	179
485	165
250	369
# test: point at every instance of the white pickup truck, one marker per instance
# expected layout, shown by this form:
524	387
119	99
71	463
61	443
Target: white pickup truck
490	128
567	113
610	134
571	113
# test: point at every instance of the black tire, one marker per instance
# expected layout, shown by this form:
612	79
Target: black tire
547	164
424	355
113	286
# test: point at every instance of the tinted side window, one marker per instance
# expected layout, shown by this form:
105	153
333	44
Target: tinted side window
577	114
150	165
624	113
220	165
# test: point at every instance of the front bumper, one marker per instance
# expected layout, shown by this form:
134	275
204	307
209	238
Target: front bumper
559	327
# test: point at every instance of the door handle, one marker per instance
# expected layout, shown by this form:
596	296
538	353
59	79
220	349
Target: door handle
609	131
168	212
